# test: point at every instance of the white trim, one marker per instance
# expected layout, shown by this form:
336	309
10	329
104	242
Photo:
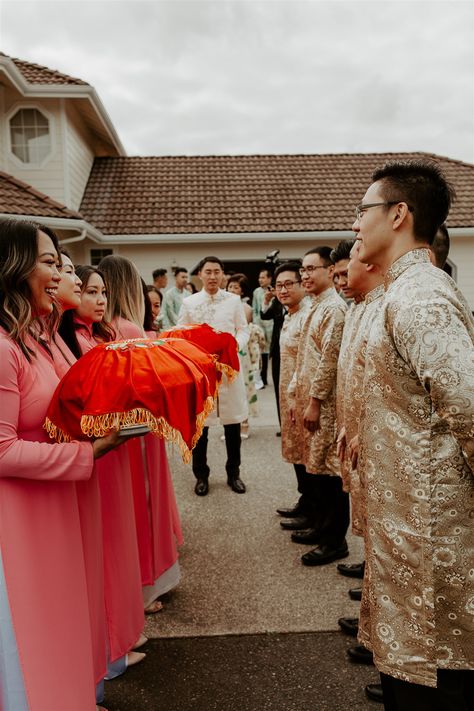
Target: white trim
62	223
177	238
461	232
19	106
77	91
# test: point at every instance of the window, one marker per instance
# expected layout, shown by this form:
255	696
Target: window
98	254
30	136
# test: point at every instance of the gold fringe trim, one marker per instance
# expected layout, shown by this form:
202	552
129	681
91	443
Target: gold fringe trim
226	370
55	432
100	425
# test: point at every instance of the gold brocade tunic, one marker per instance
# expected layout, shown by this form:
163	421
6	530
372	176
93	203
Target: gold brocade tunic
354	377
416	461
351	324
315	376
290	336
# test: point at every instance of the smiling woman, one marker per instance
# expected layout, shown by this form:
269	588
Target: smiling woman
47	660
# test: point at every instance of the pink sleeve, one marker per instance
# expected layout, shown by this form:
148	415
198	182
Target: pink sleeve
26	459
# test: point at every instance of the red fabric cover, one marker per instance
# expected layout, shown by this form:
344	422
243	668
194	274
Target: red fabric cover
221	344
167	384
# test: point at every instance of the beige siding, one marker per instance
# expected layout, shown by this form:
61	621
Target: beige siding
80	158
462	256
49	177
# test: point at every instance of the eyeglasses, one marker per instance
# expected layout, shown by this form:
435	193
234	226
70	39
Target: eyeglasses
287	285
310	269
360	209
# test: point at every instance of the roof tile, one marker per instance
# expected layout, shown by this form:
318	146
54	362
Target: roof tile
260	193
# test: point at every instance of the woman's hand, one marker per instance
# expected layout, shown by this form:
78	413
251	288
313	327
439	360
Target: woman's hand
103	445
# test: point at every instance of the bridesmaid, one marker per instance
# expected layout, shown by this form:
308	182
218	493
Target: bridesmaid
68	297
45	645
158	525
122	579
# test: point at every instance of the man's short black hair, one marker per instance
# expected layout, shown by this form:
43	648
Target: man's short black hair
324	253
423	187
179	270
214	260
159	273
267	269
440	246
289	267
342	250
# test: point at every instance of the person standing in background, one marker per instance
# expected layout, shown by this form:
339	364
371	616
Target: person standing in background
173	298
265	284
223	311
160	279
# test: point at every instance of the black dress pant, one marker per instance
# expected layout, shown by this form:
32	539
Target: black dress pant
232	443
264	370
308	503
332	515
454	692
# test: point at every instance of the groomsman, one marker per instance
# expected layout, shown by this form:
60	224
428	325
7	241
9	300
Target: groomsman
416	450
313	394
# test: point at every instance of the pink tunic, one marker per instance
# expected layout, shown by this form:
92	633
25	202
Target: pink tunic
122	578
157	518
40	538
88	497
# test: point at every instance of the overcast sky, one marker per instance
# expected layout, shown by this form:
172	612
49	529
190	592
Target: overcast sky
218	77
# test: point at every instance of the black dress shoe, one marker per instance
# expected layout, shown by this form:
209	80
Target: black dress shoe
237	485
355	594
294	512
278	434
309	537
360	654
323	554
296	524
374	692
202	487
349	625
351	570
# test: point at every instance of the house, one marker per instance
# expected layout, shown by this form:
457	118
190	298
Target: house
62	163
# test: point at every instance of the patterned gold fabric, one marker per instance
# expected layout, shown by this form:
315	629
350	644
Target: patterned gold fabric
351	324
417	416
352	394
315	376
289	340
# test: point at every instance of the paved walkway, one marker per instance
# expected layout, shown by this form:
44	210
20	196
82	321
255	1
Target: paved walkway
249	628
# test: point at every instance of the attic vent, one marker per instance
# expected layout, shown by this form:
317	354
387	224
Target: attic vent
30	136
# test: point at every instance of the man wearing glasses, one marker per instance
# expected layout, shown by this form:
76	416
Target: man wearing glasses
313	394
416	450
291	296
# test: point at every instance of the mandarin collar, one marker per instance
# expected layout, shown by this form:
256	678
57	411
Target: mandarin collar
88	326
374	294
315	300
421	255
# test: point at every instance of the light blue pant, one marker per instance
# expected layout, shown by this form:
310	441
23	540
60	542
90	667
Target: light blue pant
12	685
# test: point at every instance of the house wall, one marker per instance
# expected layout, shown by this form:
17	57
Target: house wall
80	157
48	177
152	256
462	255
64	174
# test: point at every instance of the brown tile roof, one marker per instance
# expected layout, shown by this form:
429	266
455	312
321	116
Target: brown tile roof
18	198
261	193
36	74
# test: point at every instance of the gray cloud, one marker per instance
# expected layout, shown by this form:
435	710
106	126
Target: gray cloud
282	77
